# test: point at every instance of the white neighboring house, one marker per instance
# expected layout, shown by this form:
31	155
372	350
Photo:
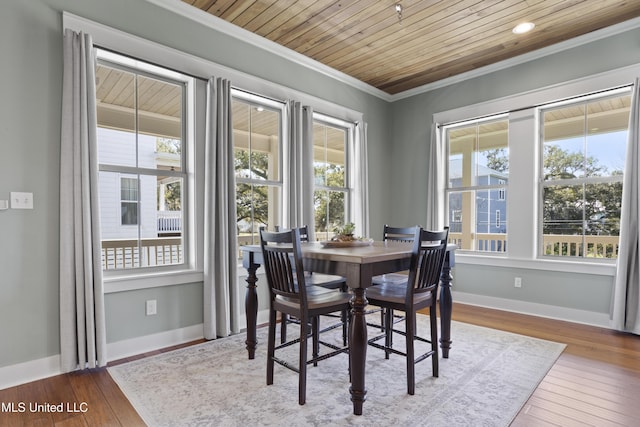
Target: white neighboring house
124	213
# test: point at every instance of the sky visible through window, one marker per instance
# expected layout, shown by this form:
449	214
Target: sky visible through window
608	148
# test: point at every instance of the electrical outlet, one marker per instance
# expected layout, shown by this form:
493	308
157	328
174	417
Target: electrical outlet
152	307
21	200
517	282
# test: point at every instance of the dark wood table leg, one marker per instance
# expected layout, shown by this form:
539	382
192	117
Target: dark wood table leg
358	349
446	306
251	303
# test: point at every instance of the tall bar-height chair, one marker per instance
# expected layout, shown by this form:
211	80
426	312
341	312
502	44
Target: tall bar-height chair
394	235
290	294
329	281
420	291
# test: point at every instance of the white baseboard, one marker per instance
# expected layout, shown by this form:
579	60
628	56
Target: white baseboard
134	346
38	369
542	310
32	370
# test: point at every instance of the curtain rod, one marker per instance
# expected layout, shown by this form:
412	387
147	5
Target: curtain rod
515	110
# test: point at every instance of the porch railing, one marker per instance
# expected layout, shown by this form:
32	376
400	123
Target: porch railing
169	221
553	244
126	253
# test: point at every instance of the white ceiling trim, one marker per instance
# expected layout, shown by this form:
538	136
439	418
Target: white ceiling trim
218	24
526	57
204	18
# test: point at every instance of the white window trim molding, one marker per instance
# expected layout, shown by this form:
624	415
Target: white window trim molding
522	250
150	51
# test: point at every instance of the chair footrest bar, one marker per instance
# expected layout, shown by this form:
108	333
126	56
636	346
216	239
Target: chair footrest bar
390	349
286	364
424	356
328	355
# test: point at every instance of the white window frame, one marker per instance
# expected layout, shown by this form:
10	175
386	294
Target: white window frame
475	188
348	189
262	101
155	53
129	201
502	192
581	100
523	203
149	276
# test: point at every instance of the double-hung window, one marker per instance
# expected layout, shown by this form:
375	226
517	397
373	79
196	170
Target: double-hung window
257	140
583	156
551	173
332	142
478	174
143	167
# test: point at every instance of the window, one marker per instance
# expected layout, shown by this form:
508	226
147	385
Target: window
129	201
478	170
257	139
583	151
331	139
557	192
142	128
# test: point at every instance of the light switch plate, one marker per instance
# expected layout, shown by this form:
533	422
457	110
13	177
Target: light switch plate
4	205
21	200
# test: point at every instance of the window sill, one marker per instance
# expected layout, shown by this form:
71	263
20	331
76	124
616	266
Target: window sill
130	282
566	266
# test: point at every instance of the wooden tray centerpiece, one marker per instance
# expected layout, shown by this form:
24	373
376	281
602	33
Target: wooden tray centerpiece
344	238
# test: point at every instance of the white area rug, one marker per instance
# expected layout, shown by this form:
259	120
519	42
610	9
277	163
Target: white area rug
485	381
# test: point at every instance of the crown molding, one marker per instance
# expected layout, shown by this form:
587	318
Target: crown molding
181	8
526	57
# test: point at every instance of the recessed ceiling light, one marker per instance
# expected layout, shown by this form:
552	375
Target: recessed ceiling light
525	27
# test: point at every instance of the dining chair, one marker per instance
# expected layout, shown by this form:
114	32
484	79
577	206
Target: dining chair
329	281
395	234
290	294
400	235
419	292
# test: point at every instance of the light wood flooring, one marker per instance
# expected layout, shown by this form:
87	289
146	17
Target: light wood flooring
595	382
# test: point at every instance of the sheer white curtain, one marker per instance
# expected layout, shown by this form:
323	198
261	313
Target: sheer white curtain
82	318
221	295
435	182
626	297
361	181
298	179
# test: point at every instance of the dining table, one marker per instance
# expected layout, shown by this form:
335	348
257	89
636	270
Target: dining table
358	264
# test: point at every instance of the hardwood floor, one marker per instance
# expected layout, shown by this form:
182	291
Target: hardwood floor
595	382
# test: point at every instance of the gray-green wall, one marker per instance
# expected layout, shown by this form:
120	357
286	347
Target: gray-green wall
411	128
30	99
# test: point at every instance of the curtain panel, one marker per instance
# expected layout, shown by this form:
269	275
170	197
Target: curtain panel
361	181
435	181
298	180
221	295
626	296
82	317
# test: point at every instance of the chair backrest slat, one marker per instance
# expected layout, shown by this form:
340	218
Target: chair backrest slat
283	263
399	234
429	251
304	232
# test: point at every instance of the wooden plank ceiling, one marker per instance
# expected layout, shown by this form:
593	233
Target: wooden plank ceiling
434	40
